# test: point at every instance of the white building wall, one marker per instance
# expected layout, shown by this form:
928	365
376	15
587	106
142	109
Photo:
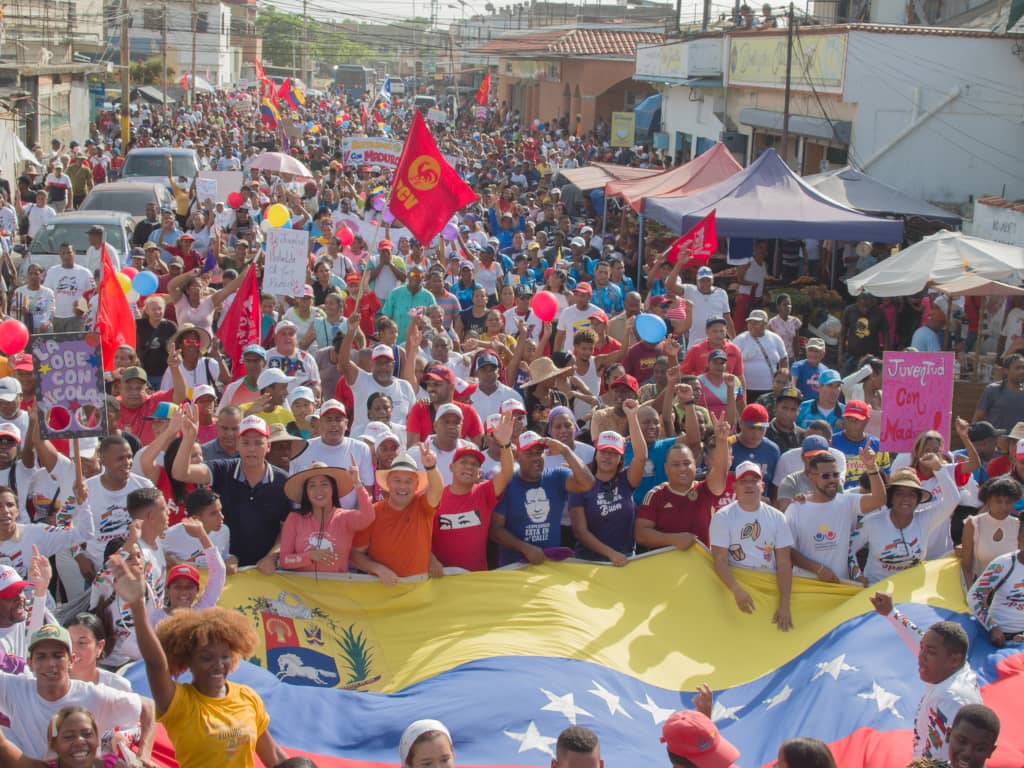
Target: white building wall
680	114
213	53
972	146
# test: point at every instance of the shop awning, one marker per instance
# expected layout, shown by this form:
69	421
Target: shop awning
801	125
704	170
596	175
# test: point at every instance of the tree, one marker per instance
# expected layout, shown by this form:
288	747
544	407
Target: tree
283	37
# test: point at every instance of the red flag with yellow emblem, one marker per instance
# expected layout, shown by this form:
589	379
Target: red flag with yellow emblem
426	190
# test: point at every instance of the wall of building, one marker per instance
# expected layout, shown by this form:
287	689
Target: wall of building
972	146
212	46
689	112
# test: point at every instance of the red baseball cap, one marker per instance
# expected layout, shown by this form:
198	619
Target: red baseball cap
583	288
467	451
626	381
857	409
755	415
600	316
183	571
440	373
692	735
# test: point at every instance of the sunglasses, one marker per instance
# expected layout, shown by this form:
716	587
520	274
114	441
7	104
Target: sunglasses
190	342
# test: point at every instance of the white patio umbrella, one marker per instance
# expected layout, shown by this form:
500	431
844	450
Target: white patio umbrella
280	163
940	258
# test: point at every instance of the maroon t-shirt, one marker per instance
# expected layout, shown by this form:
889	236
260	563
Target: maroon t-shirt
639	360
673	512
461	526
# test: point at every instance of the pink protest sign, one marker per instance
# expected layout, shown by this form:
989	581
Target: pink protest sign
917	395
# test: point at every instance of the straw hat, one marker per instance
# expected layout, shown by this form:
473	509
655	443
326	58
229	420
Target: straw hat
542	369
907	478
403	463
296	484
279	434
204	337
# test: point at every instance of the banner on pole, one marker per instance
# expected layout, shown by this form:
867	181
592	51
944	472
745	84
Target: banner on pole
917	390
284	273
70	394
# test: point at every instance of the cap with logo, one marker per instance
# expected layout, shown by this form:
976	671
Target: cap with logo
1018	450
579	242
382	350
717	354
332	405
627	381
11	583
705	273
790	393
813	445
747	468
528	440
584	288
445	409
691	735
11	431
758	316
440	373
162	411
829	377
755	415
857	409
183	571
815	343
611	441
486	359
50	632
253	424
468	451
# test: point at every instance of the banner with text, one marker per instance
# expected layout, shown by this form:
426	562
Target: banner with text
70	395
363	150
287	258
917	390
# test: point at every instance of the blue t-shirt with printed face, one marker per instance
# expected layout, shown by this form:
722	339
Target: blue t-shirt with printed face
765	455
533	511
806	376
654	467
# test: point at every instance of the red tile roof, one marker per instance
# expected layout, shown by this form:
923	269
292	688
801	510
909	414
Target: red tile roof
590	42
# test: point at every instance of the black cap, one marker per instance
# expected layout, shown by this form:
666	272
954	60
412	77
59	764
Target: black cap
983	430
714	321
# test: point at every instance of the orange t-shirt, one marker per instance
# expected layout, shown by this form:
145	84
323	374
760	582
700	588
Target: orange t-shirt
400	538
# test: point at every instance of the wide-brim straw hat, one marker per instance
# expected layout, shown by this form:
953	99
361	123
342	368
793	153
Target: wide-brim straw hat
403	463
908	480
279	434
204	337
542	369
296	484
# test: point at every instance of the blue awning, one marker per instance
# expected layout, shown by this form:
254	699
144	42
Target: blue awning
693	82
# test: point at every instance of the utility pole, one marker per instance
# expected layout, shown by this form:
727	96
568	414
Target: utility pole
306	57
706	18
789	72
126	80
192	85
163	47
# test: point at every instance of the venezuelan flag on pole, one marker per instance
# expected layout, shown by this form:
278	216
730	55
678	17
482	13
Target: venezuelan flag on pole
269	114
508	659
291	93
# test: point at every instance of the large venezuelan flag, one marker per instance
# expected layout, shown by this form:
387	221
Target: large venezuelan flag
507	659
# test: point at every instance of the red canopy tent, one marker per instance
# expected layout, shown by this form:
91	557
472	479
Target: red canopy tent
704	170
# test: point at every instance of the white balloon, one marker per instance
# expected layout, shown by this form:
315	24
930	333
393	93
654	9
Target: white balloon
132	296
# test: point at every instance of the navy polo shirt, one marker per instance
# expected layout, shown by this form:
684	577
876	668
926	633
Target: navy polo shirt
254	514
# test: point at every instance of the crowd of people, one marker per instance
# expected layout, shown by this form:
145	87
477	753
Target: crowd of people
409	414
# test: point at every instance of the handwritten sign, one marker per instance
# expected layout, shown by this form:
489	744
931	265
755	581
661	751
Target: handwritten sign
206	189
226	181
287	258
69	385
917	391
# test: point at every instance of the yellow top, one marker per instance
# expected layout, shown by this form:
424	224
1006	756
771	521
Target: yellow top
215	733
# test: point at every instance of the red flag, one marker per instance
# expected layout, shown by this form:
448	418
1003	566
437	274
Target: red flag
114	319
484	92
260	74
699	243
426	191
240	327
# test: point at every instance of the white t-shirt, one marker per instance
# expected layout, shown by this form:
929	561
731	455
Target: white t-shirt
201	315
94	254
572	319
444	458
533	324
109	679
301	365
822	530
38	303
37	216
30	713
757	370
17	551
1013	325
399	390
179	546
22	482
14	639
339	455
489	277
68	285
750	537
485	405
593	381
705	305
110	518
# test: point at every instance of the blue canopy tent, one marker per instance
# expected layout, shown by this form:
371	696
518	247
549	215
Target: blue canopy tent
768	200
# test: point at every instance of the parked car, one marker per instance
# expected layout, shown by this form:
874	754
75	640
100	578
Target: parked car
129	197
424	103
150	164
73	228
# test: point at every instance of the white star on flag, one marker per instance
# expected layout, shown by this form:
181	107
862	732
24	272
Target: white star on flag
885	700
833	667
660	714
779	697
565	705
608	698
721	712
531	739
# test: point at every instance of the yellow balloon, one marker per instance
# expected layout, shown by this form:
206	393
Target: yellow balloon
124	281
277	215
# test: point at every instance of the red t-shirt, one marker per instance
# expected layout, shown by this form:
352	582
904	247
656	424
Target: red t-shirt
461	526
134	419
673	512
421	420
1000	465
368	307
696	360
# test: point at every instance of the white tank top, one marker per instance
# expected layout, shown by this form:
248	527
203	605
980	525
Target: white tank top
755	273
986	548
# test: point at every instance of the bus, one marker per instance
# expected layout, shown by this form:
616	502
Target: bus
354	80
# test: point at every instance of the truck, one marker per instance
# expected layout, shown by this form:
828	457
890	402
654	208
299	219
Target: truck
354	80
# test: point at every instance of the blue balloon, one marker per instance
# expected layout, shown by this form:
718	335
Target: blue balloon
650	328
144	283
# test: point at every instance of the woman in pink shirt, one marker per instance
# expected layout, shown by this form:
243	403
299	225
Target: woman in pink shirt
318	537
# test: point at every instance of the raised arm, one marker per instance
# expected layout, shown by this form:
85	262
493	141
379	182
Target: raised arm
174	287
150	453
183	470
234	285
905	628
435	483
635	470
582	479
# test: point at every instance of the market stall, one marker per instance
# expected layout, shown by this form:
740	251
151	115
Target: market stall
705	170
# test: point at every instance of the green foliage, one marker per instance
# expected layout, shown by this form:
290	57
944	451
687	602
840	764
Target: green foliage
283	45
356	652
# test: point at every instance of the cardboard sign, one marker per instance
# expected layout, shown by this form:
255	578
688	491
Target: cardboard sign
284	273
369	231
623	129
206	189
917	391
437	116
227	182
70	395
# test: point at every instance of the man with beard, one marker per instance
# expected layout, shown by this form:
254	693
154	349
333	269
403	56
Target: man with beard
821	524
439	381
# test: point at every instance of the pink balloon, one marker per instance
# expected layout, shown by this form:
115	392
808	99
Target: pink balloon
130	271
544	306
13	336
345	236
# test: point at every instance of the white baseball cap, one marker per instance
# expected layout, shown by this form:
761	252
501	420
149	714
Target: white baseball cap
448	408
203	390
11	430
747	467
512	405
271	376
383	350
378	433
253	424
332	405
11	583
302	393
612	441
10	388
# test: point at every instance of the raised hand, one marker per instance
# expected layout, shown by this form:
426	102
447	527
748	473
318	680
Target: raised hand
427	456
39	571
81	491
961	428
703	700
630	407
723	430
506	425
882	603
173	357
931	461
189	421
554	446
867	456
129	582
193	526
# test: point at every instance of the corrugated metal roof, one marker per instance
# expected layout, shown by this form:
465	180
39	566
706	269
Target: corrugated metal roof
887	29
573	42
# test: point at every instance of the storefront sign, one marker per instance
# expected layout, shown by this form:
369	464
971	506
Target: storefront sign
760	61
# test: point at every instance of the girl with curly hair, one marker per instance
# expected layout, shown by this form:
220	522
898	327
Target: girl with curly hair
209	644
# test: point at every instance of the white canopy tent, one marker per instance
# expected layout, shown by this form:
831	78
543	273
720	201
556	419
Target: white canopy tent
939	259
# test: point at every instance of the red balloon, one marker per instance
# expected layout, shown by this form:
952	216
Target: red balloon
345	236
13	336
544	306
235	200
130	271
